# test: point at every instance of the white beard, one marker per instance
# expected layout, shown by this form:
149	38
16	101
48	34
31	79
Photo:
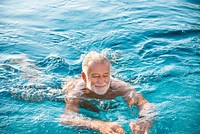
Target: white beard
98	90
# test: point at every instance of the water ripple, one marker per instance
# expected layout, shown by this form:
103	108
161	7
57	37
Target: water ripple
55	64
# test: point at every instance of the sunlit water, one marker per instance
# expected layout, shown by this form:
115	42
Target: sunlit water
152	44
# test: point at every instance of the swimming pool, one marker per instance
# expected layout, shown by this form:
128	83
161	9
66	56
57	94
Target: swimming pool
153	45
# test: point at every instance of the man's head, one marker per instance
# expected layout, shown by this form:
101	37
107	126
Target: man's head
96	72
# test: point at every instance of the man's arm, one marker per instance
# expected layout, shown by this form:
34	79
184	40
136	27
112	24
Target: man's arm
71	117
131	97
146	114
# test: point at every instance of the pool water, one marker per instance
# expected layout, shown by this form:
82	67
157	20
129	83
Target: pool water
154	45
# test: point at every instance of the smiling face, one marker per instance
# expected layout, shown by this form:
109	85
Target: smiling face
97	77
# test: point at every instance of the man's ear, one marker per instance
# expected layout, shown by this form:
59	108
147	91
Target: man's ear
83	76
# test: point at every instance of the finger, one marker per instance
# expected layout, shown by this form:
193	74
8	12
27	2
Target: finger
111	132
135	131
143	130
146	130
120	131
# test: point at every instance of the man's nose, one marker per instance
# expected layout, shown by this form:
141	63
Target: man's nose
100	79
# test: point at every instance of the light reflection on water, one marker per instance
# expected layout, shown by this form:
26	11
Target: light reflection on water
154	45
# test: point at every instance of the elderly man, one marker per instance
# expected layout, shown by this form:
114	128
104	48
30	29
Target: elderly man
96	83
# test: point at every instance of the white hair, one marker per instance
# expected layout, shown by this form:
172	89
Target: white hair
93	57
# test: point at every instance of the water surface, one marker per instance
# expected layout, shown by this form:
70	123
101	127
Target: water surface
152	44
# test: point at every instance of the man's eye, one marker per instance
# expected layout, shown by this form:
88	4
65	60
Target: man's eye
105	75
95	76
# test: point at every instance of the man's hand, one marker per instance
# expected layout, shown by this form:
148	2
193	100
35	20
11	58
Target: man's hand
111	128
141	125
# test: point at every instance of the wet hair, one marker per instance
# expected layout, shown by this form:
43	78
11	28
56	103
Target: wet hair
93	57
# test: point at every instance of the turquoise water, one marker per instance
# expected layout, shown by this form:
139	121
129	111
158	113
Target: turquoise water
154	45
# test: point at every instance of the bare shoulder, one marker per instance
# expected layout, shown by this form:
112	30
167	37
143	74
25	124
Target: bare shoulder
119	84
73	84
121	88
72	89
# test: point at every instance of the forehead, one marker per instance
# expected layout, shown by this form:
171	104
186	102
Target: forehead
97	67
